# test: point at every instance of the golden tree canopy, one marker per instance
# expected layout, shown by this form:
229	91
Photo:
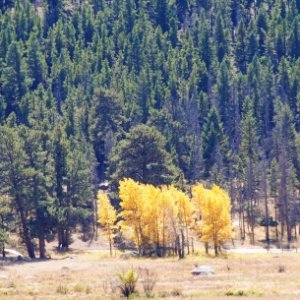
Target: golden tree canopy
214	207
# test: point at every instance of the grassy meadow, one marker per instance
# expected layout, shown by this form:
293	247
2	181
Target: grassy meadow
93	275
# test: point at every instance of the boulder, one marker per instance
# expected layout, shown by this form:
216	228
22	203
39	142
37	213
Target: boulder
203	270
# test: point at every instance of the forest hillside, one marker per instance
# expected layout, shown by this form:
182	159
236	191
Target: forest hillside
163	92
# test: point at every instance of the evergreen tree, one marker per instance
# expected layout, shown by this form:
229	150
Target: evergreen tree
16	180
221	42
142	156
286	141
214	142
61	205
41	162
14	77
241	55
5	4
54	11
36	64
105	122
249	161
224	95
162	14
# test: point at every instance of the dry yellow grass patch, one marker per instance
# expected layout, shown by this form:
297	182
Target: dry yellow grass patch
93	276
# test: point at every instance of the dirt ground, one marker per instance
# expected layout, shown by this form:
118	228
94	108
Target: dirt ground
93	276
87	272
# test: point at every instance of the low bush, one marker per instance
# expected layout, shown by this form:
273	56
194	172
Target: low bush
78	288
149	280
176	292
88	289
281	269
128	282
240	293
62	289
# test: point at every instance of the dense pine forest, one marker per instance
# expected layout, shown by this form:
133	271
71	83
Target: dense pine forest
164	92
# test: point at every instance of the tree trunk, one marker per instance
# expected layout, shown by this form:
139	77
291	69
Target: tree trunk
65	240
206	248
110	243
59	239
42	247
187	240
252	239
182	244
276	218
192	245
25	230
266	204
110	247
216	249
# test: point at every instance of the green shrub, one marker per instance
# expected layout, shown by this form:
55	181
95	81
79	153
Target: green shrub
88	289
240	293
128	282
62	289
176	292
78	288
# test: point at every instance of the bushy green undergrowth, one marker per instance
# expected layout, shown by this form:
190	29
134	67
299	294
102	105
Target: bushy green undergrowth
128	282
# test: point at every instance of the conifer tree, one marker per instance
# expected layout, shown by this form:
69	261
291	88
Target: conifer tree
16	180
241	55
142	156
214	142
249	160
36	64
14	77
41	162
54	11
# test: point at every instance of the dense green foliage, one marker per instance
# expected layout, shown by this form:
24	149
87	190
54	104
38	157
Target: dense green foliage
218	79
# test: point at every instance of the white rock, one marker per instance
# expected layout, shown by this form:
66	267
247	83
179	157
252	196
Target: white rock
203	270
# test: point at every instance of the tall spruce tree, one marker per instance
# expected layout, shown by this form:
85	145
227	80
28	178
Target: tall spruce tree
142	157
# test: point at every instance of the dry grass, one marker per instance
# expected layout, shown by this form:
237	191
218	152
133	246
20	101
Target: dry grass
93	276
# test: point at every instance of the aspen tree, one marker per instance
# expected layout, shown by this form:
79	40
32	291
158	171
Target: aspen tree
214	206
132	210
107	217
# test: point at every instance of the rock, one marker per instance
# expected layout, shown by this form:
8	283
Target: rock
129	255
72	256
203	270
14	254
3	277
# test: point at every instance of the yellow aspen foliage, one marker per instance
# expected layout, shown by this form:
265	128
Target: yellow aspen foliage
158	218
106	217
167	218
133	210
184	205
214	207
185	212
151	199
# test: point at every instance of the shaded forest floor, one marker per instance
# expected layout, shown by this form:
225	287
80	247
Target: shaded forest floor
93	276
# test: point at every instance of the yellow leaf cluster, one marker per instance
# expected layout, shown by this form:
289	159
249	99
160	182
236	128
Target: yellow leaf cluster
160	218
154	215
107	216
214	207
